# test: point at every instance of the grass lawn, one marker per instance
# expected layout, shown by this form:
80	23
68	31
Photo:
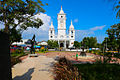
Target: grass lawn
50	51
17	54
40	52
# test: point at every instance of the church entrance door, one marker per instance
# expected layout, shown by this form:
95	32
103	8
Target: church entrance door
61	45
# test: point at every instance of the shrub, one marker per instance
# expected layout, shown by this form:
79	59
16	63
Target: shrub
88	51
64	70
45	49
99	72
92	51
117	55
108	54
18	53
104	60
98	52
42	50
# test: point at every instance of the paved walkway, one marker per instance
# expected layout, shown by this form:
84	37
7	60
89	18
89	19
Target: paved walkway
35	68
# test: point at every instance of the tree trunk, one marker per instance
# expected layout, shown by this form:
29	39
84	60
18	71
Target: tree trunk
5	60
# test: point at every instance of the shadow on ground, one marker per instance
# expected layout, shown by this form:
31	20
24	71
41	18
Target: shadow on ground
26	76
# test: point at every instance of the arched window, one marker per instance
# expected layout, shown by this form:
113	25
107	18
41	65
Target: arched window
72	32
51	32
51	36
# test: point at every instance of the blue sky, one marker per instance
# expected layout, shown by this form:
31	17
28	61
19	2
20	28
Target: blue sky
90	18
86	14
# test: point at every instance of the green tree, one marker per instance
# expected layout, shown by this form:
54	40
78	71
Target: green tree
114	36
109	43
85	42
19	14
93	42
76	44
89	42
99	45
52	44
15	35
55	44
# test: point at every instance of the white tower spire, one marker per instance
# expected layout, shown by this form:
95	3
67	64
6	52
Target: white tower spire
51	32
51	26
71	34
61	11
71	26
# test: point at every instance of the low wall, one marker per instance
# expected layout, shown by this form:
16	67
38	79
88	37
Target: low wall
75	50
51	49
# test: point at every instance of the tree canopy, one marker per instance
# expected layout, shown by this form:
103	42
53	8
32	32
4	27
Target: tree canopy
114	36
52	44
20	13
14	35
89	42
76	44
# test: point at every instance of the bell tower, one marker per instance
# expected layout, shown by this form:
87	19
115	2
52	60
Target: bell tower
71	34
51	32
61	23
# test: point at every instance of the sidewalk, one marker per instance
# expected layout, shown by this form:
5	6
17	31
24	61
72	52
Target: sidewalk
35	68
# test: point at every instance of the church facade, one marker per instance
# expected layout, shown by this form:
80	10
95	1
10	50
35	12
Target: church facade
64	40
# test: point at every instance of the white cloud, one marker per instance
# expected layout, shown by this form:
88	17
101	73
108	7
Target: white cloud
42	32
75	20
80	34
97	28
46	20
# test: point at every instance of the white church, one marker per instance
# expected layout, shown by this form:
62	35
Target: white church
64	40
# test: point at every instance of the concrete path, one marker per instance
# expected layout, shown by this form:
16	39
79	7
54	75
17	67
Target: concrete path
35	68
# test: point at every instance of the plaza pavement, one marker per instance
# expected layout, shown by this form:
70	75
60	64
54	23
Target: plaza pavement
39	68
34	68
